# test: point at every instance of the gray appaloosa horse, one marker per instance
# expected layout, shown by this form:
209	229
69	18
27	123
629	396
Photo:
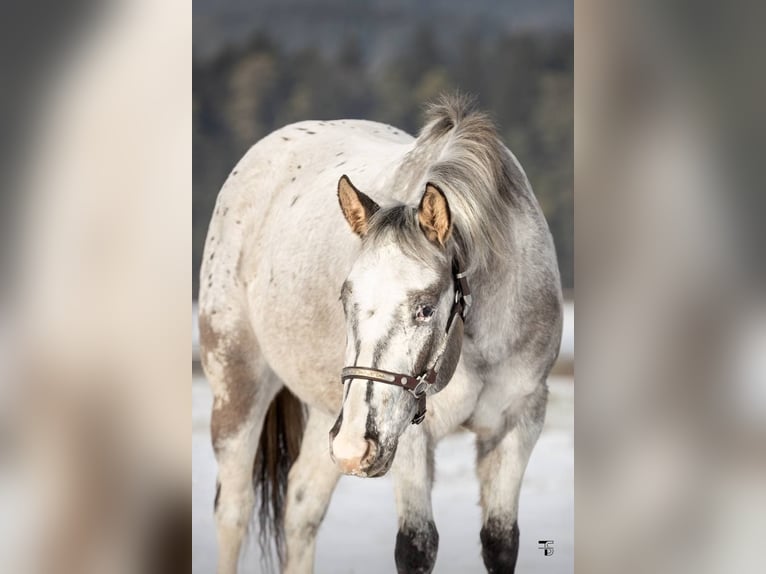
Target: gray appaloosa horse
438	281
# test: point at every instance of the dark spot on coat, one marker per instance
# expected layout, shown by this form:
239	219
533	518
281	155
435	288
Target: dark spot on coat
381	347
336	426
293	178
212	254
341	163
340	153
234	172
286	139
311	133
292	202
299	166
299	494
309	530
217	495
238	222
239	378
421	362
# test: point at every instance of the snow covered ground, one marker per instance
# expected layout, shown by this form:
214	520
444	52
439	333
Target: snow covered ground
359	531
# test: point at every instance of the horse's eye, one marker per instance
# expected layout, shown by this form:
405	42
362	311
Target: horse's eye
424	313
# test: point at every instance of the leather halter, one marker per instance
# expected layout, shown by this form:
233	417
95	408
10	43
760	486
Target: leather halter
420	384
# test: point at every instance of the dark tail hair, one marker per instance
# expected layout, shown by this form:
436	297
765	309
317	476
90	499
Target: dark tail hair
279	447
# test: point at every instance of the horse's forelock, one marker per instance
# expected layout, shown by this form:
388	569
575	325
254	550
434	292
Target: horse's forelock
400	225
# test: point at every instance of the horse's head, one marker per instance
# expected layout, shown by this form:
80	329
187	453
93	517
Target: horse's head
397	300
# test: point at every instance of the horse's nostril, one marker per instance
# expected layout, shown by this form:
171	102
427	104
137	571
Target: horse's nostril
351	453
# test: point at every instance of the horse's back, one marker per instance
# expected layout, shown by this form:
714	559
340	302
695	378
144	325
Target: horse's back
285	182
305	160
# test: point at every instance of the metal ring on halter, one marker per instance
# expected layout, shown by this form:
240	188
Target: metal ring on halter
421	389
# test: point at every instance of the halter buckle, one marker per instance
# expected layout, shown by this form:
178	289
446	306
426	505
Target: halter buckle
421	388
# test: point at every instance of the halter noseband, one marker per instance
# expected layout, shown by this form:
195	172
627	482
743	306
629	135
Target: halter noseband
420	384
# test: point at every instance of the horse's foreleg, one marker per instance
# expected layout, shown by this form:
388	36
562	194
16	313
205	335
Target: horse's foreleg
417	540
310	485
502	460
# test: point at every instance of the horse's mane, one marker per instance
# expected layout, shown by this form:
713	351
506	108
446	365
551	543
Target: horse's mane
460	151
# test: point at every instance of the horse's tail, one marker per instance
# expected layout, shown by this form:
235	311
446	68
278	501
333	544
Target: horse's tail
279	446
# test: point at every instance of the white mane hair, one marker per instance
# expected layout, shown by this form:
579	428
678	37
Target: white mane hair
460	151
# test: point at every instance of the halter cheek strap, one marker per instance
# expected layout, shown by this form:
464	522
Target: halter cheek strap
419	385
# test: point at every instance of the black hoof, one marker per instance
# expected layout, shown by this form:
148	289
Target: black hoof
416	549
500	546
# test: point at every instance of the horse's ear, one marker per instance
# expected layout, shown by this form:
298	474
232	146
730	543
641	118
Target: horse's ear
434	215
357	207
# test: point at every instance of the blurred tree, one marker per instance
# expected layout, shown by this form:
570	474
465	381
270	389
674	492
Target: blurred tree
469	68
422	55
252	85
350	56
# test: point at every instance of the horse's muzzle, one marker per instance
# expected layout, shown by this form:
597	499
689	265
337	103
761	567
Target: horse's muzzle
360	457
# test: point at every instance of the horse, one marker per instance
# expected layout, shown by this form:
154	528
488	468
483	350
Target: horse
363	294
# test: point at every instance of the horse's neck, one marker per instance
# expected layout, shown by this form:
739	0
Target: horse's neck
486	287
494	303
409	179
